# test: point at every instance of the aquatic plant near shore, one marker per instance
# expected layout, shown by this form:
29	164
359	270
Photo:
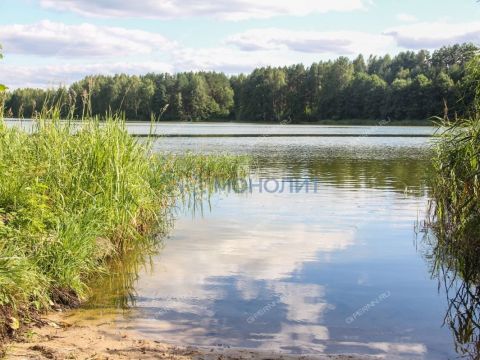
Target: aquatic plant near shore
452	230
455	212
75	196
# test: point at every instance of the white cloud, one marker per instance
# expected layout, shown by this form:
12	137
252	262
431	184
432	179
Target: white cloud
272	47
101	47
338	43
406	17
429	35
47	38
41	76
228	60
221	9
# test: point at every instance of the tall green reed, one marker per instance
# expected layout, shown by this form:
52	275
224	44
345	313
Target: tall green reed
453	224
77	196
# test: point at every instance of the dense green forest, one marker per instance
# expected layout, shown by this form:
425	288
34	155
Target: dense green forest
410	85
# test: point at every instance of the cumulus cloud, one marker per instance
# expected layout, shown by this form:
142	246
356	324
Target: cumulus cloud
100	47
239	53
340	42
47	38
182	59
41	76
228	60
221	9
225	59
429	35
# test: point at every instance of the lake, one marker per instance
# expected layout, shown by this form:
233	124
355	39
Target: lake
317	251
189	129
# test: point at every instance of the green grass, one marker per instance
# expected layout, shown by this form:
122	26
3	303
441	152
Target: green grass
453	230
455	211
74	198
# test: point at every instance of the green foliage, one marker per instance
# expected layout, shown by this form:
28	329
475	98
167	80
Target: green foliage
471	85
453	228
449	56
456	186
409	86
76	195
365	96
359	65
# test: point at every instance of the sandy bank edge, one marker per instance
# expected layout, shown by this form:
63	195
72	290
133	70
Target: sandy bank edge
65	337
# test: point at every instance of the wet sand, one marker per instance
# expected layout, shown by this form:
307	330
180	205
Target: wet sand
69	336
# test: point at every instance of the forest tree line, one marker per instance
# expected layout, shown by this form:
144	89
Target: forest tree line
410	85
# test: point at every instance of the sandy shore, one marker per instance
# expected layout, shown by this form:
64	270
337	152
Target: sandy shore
65	336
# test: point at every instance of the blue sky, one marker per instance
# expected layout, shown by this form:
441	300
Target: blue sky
52	42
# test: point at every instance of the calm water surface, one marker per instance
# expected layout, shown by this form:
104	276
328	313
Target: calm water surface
336	269
189	128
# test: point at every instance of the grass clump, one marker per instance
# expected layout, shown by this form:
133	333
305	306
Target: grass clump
455	214
75	196
453	231
453	224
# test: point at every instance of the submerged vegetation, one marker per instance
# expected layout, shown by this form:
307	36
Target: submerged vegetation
453	231
76	197
408	86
